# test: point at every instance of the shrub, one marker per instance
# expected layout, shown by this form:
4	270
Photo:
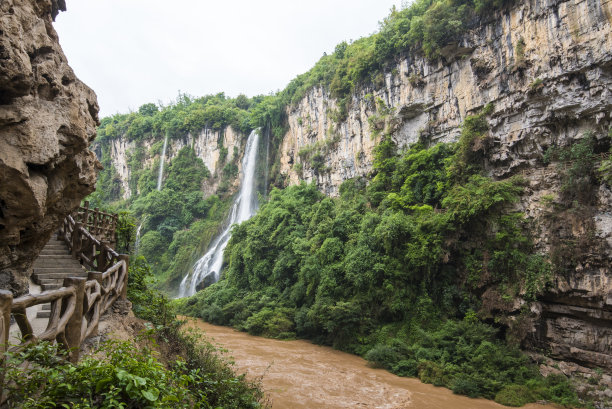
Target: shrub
515	395
382	356
466	386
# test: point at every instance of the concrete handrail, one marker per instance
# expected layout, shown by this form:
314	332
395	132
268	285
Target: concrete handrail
77	306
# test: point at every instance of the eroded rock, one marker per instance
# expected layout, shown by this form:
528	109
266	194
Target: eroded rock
48	119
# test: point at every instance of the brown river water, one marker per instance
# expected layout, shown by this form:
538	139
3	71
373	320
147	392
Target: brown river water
302	375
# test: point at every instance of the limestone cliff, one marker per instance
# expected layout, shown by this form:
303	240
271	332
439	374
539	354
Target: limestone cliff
546	66
47	120
207	145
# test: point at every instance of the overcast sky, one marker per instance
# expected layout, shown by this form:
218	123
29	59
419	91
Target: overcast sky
136	51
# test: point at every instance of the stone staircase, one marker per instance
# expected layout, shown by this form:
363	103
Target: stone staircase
51	267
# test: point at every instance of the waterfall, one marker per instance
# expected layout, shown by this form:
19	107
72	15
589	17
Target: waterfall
161	163
244	206
265	187
137	241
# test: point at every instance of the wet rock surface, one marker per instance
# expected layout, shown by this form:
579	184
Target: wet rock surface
48	118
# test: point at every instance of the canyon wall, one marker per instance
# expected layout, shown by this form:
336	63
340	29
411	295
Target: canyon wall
205	145
48	119
546	66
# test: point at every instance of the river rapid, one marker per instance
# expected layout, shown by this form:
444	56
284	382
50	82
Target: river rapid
301	375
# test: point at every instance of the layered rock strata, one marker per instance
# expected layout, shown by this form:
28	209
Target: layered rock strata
48	119
546	66
206	145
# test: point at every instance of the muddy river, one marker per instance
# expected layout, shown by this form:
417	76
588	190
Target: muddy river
301	375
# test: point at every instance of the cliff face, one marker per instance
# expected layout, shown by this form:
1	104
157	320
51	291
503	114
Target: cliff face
546	66
47	120
205	145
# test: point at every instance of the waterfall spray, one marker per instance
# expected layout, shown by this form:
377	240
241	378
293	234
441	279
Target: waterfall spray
161	163
244	206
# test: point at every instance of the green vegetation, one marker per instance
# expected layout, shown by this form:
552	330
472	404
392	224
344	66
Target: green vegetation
185	115
177	222
121	374
394	270
425	26
576	165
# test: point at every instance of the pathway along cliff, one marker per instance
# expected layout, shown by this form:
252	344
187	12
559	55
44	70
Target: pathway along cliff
299	375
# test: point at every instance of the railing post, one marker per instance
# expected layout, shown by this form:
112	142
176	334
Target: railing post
101	257
75	239
95	228
113	230
125	258
6	301
85	216
96	275
73	328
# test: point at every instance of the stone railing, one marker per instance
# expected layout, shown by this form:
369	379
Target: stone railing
101	225
76	307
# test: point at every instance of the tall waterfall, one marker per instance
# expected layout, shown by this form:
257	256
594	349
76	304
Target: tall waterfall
244	206
161	164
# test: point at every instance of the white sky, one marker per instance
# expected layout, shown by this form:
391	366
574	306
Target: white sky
136	51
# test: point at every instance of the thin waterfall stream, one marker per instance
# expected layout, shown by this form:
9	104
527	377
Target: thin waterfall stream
244	206
137	241
161	164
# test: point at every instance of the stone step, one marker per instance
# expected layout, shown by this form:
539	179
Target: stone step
59	276
66	256
54	251
46	287
58	269
43	314
46	307
60	263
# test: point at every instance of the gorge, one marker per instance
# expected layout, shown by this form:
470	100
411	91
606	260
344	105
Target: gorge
436	197
544	67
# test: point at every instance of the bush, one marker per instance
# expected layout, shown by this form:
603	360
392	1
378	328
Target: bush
466	386
121	375
382	356
515	395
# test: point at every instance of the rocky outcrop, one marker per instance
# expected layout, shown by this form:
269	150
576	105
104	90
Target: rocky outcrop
48	119
206	145
544	64
546	67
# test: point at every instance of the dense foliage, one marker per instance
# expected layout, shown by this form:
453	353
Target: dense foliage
394	270
185	115
191	372
425	26
123	375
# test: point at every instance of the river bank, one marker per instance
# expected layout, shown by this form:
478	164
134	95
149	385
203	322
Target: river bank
299	375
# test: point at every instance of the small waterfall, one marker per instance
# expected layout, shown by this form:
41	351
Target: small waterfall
244	206
161	163
137	241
